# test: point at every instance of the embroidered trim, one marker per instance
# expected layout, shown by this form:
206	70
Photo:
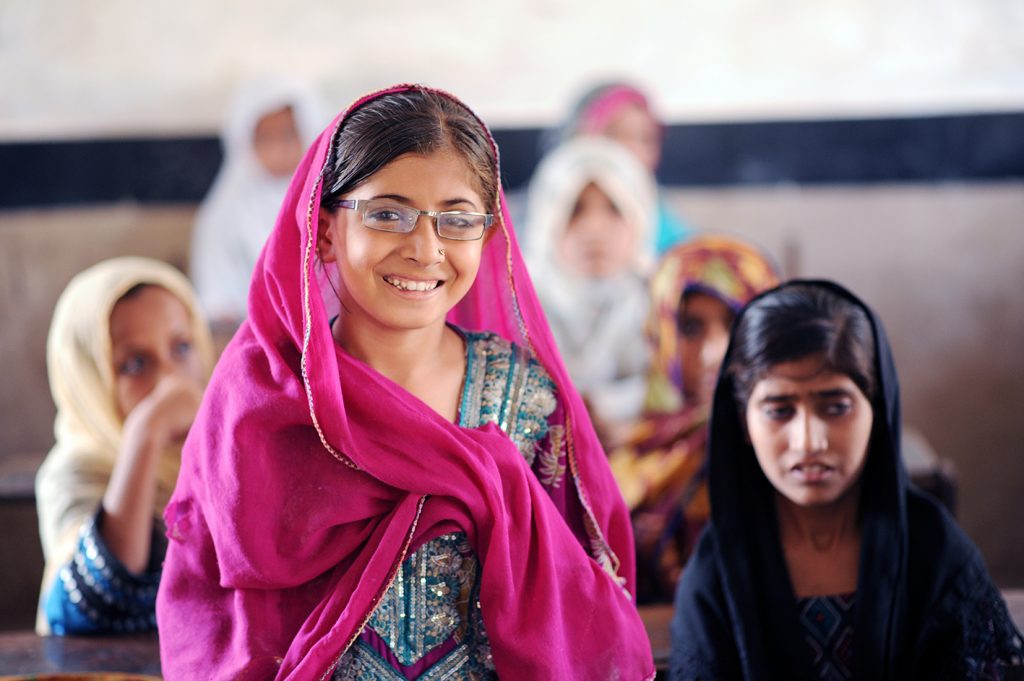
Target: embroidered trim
95	593
552	467
415	620
307	317
507	387
387	585
434	600
599	546
368	665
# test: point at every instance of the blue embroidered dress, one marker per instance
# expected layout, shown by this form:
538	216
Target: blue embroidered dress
96	594
428	625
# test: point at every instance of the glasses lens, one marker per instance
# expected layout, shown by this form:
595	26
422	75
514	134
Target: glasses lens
389	217
461	226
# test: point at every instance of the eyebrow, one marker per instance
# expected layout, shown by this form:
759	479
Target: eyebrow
126	349
406	200
128	345
820	394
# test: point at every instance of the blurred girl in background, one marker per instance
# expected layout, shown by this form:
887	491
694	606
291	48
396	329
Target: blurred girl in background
590	212
270	124
695	294
623	113
128	355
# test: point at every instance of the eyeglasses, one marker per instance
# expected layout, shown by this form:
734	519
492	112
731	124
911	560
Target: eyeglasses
387	216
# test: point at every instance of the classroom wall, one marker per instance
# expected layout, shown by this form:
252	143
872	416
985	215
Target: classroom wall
122	67
941	264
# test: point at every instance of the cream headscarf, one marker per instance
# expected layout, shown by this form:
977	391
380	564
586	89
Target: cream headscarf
560	179
598	323
71	482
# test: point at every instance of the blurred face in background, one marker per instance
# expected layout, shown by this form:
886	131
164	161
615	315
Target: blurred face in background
704	323
598	242
151	339
637	131
276	143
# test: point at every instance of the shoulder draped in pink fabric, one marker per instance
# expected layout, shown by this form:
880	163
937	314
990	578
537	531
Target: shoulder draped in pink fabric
308	476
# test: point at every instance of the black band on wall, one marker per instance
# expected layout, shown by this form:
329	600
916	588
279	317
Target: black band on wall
975	147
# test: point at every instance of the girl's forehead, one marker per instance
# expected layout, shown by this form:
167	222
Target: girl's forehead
809	375
445	162
444	170
151	307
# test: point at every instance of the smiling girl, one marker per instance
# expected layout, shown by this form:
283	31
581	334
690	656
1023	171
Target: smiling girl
820	561
127	356
391	476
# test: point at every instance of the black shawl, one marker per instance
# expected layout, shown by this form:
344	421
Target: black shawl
925	605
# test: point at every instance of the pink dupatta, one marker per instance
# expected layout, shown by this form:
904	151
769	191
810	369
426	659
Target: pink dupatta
308	476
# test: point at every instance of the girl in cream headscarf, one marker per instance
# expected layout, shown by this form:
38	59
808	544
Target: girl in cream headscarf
128	354
590	244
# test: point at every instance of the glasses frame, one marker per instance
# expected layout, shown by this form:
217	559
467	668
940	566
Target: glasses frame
361	205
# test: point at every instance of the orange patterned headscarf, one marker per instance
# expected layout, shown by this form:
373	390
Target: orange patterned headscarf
729	269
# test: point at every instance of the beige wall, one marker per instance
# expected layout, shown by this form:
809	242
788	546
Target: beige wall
123	66
944	266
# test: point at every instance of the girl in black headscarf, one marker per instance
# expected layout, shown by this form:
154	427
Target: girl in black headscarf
820	561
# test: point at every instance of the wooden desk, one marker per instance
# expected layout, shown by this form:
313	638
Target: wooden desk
24	652
1015	602
656	620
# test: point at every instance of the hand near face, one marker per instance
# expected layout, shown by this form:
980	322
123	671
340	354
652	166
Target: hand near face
157	372
159	419
164	416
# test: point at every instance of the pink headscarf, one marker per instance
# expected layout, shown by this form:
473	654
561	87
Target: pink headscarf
308	476
599	112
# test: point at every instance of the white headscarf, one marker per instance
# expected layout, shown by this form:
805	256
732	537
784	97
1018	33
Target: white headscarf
73	478
598	323
239	212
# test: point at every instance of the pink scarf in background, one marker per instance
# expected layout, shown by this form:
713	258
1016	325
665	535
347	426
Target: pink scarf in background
308	477
598	114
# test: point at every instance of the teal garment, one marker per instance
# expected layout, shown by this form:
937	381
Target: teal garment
429	624
431	606
670	229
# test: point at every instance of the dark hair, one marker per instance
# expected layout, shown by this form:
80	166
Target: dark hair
414	121
134	291
798	321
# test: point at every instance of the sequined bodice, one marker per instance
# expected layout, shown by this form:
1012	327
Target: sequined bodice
429	624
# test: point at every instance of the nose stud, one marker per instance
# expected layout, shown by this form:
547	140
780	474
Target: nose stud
440	252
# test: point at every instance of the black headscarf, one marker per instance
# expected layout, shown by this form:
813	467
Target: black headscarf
921	586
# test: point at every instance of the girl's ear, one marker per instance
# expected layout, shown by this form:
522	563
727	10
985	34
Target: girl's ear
325	235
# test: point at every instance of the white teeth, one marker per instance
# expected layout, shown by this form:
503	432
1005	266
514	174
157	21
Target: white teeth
407	285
